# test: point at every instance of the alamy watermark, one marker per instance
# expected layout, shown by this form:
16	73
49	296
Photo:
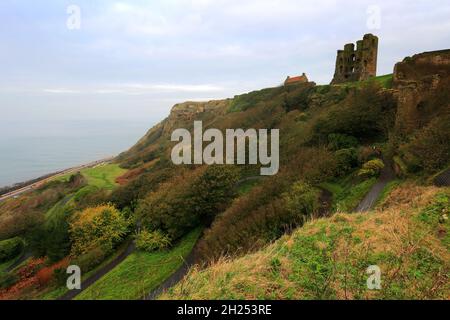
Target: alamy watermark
374	17
74	280
374	279
74	20
235	141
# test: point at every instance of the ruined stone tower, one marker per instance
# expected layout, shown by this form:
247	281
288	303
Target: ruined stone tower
359	64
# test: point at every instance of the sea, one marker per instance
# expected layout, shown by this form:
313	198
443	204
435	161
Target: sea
31	149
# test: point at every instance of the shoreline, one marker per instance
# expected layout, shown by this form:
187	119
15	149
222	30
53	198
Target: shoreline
33	184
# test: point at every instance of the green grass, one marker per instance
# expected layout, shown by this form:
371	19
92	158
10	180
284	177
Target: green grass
385	81
102	176
328	259
347	196
140	273
54	292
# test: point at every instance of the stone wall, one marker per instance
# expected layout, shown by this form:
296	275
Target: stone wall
357	65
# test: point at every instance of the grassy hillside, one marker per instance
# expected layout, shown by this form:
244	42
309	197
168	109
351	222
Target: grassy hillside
140	273
334	142
327	258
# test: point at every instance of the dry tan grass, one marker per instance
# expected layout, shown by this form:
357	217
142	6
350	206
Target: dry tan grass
391	230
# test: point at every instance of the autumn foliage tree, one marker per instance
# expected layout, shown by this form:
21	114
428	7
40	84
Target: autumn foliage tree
102	226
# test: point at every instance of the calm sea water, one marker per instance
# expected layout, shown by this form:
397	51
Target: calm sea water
31	149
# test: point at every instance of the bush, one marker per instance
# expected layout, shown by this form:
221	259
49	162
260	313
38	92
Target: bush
371	168
89	260
188	200
10	248
100	226
301	201
152	241
346	159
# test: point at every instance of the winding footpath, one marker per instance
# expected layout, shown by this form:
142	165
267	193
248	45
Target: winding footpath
70	295
387	175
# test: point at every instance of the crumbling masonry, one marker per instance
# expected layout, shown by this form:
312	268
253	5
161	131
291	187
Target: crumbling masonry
359	64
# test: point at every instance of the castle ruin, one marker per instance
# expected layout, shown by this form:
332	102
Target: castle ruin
359	64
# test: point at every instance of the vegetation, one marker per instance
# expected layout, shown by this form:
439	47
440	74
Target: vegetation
189	200
92	228
333	138
328	258
371	168
151	241
10	248
141	272
103	176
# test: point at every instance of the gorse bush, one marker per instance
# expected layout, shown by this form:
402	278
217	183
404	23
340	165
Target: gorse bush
100	226
152	241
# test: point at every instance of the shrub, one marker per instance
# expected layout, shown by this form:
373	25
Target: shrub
51	240
152	241
301	201
47	274
188	200
346	160
100	226
10	248
90	259
371	168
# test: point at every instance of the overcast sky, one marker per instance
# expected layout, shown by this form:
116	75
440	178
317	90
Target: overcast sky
144	56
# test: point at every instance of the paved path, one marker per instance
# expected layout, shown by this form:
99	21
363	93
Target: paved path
387	175
94	278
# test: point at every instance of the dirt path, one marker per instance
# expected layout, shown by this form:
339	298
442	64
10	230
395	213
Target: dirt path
387	175
94	278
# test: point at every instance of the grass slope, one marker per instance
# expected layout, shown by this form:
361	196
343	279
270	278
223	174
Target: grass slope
103	176
140	273
328	258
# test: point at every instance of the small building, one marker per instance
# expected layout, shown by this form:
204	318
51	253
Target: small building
298	79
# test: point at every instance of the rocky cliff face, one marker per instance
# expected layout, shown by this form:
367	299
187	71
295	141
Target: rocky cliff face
183	114
419	81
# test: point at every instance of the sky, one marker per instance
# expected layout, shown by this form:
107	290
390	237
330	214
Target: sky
133	60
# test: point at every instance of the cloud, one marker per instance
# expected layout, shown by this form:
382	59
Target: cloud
61	91
139	88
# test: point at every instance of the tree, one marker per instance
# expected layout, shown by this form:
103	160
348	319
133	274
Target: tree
301	201
103	226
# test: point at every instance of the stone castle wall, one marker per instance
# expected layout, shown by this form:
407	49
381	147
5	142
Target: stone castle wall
357	64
